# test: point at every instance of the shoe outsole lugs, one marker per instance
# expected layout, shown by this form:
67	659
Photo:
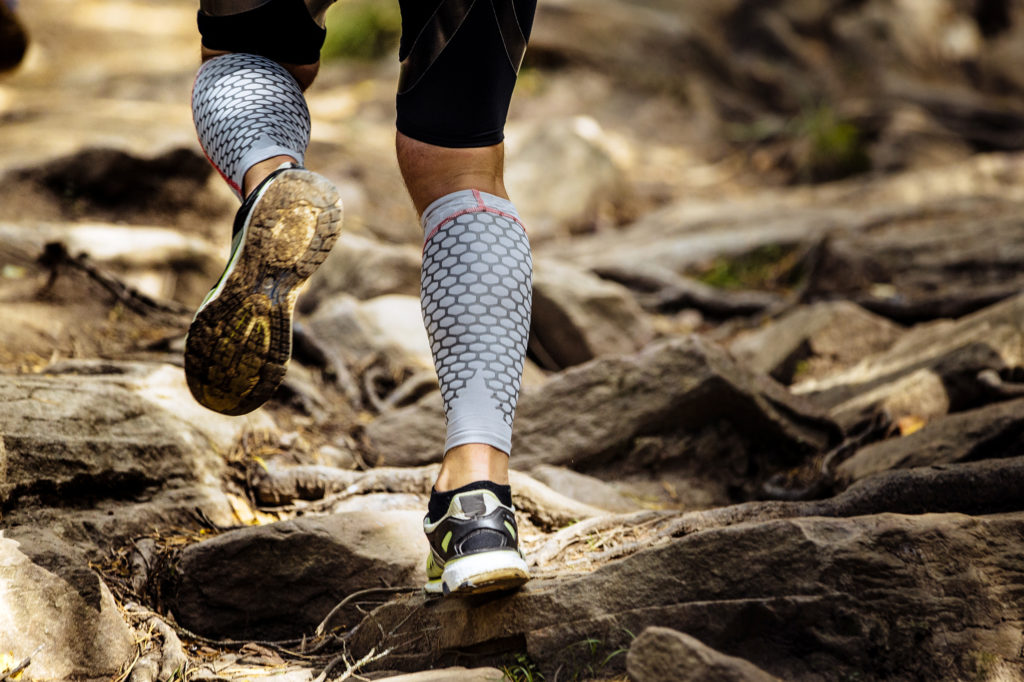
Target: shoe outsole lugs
239	343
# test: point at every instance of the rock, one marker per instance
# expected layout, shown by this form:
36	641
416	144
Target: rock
880	596
686	233
410	436
663	291
308	565
737	62
930	263
364	268
577	317
716	419
391	326
596	411
110	183
52	599
109	524
120	246
988	432
586	489
813	341
665	654
108	429
382	502
562	176
457	674
930	371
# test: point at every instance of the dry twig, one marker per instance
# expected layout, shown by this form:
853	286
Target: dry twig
26	662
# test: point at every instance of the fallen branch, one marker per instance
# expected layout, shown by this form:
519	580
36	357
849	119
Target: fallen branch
55	255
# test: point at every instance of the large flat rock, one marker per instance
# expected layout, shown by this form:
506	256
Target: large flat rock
104	428
882	596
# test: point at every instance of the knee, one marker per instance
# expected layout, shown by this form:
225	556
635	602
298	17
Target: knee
431	172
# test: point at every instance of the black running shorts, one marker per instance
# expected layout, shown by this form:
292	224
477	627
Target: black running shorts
460	59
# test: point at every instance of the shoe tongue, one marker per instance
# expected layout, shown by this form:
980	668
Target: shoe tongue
473	505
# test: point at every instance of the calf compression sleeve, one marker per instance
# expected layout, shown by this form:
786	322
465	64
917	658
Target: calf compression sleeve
476	290
248	109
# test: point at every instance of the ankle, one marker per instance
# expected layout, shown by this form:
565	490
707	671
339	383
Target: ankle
259	172
470	463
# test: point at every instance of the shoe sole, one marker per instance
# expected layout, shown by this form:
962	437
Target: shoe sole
240	341
480	573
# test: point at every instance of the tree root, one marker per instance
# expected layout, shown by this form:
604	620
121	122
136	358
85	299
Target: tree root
55	255
351	667
160	663
325	624
985	487
276	486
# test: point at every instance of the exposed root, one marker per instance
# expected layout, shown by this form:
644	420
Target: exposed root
161	663
55	255
325	624
351	667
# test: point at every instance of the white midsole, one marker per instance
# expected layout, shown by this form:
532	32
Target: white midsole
484	567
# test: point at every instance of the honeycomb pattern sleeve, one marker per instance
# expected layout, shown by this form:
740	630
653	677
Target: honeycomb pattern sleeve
476	291
247	109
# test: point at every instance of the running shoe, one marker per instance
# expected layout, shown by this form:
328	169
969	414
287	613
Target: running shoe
240	340
474	547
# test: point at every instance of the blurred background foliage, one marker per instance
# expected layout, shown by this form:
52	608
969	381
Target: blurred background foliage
362	29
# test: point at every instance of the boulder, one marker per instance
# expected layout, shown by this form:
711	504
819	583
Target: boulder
56	609
993	431
880	596
391	326
754	67
577	316
562	176
665	654
109	524
97	428
220	587
813	341
933	369
365	268
938	261
684	234
718	419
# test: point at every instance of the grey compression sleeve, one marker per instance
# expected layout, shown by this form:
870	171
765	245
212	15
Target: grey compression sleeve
248	109
476	293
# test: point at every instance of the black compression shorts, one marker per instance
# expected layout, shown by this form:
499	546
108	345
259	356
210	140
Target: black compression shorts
460	58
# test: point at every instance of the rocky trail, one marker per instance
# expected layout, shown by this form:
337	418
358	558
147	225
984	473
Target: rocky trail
772	424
